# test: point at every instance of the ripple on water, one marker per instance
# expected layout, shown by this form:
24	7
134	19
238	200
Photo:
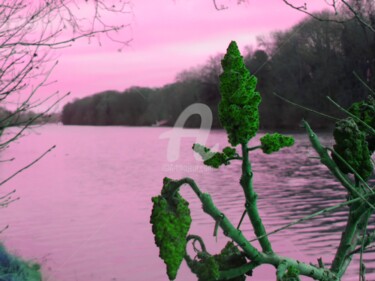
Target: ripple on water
85	208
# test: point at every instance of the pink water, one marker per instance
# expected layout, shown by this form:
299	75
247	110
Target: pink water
85	207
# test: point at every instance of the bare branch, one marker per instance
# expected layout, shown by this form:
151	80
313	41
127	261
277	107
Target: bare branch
358	16
304	10
27	166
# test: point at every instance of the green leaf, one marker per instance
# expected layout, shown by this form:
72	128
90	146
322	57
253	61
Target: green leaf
292	274
352	146
274	142
238	108
170	221
365	111
208	267
215	159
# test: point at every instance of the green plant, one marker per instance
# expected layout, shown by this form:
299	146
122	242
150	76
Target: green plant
13	268
239	115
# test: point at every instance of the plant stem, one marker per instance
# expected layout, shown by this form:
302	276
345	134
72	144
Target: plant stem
349	240
252	253
346	244
225	224
326	159
251	202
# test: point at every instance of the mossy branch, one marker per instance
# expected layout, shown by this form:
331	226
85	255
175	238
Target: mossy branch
358	214
331	165
251	201
355	225
326	159
256	257
238	113
353	171
198	239
229	229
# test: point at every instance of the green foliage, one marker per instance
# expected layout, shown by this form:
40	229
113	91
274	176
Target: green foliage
231	257
215	159
351	145
170	221
365	110
14	269
292	274
274	142
238	109
208	267
238	113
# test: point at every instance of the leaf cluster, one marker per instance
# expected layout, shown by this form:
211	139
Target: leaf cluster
351	144
207	267
215	159
292	274
238	109
274	142
365	111
170	221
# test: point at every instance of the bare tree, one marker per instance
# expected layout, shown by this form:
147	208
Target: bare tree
29	33
343	11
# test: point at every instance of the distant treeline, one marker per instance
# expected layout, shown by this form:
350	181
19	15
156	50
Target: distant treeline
10	118
312	60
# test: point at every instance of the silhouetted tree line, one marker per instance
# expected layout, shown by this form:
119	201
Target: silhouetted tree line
10	118
312	60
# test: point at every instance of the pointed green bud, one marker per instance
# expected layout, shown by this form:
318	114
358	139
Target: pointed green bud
238	109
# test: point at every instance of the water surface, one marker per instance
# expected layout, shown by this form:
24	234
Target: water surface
84	209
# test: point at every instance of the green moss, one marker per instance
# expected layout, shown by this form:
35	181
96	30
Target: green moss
274	142
292	274
207	267
365	110
170	221
13	268
231	257
215	159
238	108
352	146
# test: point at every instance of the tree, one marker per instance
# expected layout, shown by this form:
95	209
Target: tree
29	33
238	112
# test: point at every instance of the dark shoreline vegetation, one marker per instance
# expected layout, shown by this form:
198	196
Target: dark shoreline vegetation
10	118
305	64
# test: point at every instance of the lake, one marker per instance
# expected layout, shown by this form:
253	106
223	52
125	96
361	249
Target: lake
85	207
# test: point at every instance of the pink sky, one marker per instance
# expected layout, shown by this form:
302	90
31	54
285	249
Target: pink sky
168	36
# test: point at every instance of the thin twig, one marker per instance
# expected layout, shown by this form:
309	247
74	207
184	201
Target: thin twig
352	170
364	83
308	109
372	130
27	166
304	10
357	16
326	210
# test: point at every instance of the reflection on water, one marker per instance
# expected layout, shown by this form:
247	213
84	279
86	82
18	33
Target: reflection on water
84	212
